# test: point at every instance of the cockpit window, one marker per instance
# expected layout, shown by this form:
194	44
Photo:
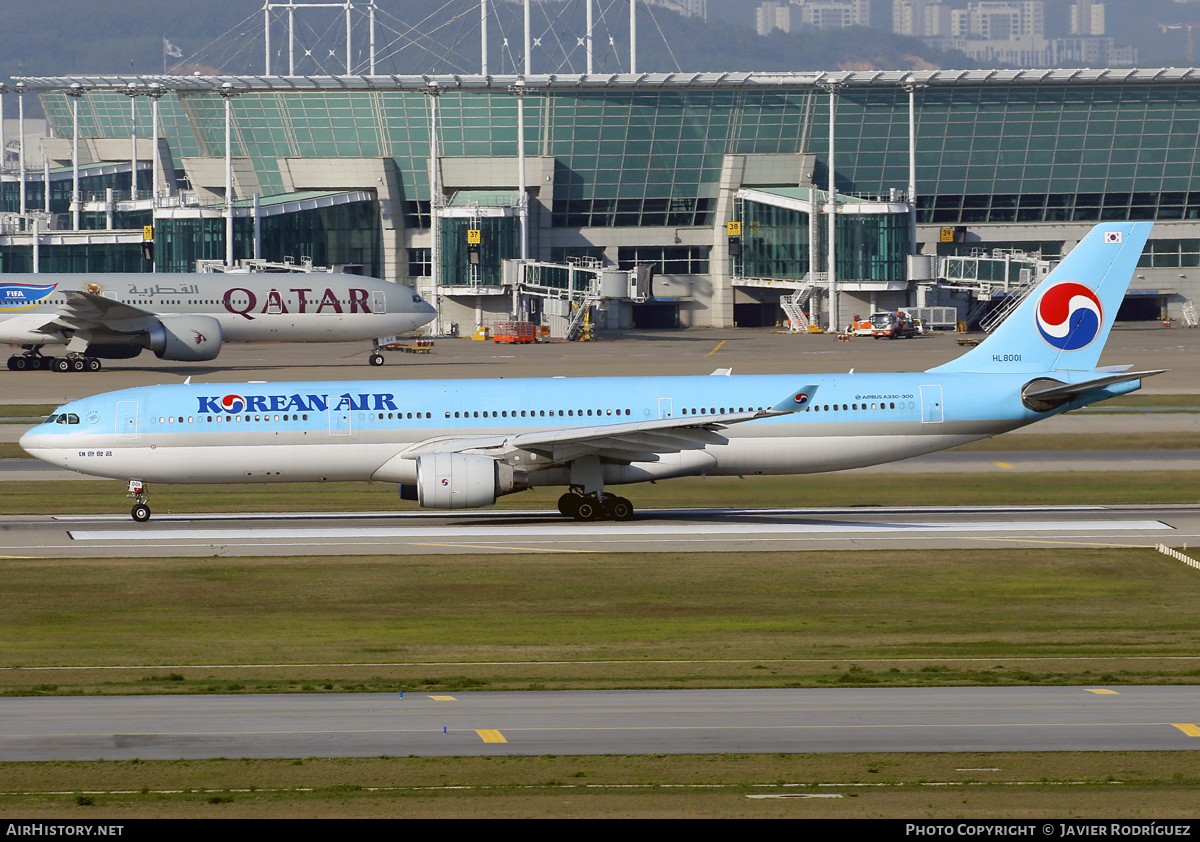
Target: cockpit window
51	419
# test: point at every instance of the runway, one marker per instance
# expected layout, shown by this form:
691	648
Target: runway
601	722
661	530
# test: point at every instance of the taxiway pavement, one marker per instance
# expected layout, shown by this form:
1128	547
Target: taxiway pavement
652	530
601	722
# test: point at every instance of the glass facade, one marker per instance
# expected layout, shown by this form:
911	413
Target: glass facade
626	157
91	188
499	240
83	257
774	242
870	247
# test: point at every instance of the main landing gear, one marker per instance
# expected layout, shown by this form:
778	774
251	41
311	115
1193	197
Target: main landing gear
140	511
34	361
600	506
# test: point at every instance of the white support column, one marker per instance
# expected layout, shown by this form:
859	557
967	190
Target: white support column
633	36
20	86
228	93
587	38
291	27
267	38
131	91
349	66
76	91
371	20
3	91
45	182
911	85
435	258
834	315
483	45
156	92
528	42
257	227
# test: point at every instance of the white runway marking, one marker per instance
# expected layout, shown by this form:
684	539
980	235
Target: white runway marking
615	530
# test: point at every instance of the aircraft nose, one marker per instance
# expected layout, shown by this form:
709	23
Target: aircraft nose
32	440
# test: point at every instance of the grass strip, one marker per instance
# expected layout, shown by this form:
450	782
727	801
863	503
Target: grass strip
532	621
1158	785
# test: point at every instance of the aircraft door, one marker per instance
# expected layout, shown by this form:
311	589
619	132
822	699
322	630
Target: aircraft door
339	422
664	408
127	415
931	404
378	301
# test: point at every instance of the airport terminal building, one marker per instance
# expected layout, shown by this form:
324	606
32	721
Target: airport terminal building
620	171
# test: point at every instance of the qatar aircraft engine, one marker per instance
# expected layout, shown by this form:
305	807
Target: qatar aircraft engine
461	444
187	317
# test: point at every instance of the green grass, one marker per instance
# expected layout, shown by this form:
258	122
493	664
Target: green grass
1145	400
1045	785
26	410
516	621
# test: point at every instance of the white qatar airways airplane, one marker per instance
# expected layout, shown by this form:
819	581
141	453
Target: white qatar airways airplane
461	444
187	317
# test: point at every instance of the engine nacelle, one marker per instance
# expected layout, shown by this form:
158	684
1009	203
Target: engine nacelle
461	480
185	338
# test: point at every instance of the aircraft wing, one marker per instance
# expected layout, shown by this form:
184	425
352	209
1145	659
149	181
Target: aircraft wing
86	312
630	441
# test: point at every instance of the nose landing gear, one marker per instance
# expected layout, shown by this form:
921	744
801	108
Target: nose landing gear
140	511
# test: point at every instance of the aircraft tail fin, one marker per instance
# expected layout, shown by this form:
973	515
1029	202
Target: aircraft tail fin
1065	321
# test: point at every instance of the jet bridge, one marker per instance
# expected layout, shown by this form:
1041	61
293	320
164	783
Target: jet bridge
566	296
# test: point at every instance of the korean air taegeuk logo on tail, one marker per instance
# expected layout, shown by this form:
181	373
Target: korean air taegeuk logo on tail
1069	316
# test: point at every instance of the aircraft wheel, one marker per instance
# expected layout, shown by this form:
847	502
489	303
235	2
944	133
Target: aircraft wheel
92	364
78	364
33	363
620	509
61	364
567	504
140	513
375	359
12	363
587	510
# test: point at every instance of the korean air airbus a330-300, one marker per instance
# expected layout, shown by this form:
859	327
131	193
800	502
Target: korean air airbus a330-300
187	317
461	444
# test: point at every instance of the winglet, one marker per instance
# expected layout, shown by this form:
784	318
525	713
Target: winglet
797	400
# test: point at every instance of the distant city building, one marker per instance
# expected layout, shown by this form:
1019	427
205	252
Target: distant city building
1087	18
834	14
771	16
687	8
921	18
996	20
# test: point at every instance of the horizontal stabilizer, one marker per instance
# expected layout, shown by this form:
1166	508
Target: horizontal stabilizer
1044	393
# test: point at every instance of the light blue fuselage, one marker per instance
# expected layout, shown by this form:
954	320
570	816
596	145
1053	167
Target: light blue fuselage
348	430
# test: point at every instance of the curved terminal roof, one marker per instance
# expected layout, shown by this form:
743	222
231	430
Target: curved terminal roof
855	78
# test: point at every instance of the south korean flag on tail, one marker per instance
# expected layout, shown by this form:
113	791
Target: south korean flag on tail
1112	237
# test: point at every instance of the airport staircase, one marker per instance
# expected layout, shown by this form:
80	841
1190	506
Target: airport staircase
1010	301
793	306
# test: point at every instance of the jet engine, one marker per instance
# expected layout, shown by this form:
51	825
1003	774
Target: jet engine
461	480
185	338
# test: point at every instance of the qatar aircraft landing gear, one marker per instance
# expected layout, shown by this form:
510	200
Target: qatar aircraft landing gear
140	511
575	504
32	360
